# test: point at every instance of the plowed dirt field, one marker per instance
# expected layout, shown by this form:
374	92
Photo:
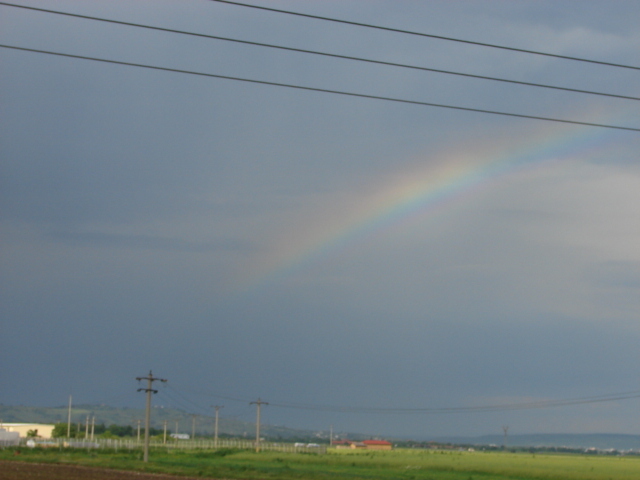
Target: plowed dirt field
44	471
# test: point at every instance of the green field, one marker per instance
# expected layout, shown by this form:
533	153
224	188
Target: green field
349	465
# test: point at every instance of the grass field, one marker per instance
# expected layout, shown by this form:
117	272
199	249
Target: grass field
349	465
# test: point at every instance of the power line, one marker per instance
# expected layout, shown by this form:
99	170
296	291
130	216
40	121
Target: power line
173	402
539	404
324	90
476	409
325	54
421	34
212	395
197	406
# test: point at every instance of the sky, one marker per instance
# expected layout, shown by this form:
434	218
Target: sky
331	253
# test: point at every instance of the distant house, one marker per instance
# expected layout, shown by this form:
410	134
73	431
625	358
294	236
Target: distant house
377	445
356	445
180	436
341	443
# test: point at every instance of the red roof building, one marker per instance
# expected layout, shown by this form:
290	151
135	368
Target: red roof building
377	445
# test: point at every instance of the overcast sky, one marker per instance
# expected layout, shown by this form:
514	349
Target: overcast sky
307	248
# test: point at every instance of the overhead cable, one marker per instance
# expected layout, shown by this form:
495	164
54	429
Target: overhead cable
323	90
180	402
538	404
196	405
473	409
325	54
439	37
175	403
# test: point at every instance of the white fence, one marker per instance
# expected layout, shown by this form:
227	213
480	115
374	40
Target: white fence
201	444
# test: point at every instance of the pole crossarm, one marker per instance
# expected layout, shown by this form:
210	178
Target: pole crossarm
147	390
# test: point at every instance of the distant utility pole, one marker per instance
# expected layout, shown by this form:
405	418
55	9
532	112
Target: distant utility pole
139	422
69	419
258	404
215	427
330	435
150	379
165	433
505	429
86	428
93	426
193	426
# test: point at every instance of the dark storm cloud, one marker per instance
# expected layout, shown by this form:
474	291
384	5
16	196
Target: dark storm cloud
152	219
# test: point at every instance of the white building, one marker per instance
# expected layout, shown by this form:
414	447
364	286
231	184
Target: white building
42	430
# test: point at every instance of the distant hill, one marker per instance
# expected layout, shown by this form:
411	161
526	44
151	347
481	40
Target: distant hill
237	428
601	441
129	416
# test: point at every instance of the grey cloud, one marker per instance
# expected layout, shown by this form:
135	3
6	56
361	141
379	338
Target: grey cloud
616	274
137	208
101	239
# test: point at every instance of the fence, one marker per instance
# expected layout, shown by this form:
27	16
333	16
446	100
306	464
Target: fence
195	444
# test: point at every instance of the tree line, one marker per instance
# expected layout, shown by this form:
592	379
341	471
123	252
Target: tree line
102	431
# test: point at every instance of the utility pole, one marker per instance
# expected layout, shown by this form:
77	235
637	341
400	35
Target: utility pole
193	426
215	428
165	432
69	419
139	421
330	435
150	379
93	426
86	428
258	404
505	429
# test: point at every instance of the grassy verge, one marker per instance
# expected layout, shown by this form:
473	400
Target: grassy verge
347	465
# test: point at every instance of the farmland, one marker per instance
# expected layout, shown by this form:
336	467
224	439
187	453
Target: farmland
336	465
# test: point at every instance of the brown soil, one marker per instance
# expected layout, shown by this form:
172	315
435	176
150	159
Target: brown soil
44	471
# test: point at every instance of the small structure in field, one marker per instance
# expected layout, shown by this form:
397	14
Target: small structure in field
9	439
366	444
377	445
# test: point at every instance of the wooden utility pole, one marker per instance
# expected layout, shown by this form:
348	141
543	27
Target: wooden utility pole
86	428
505	429
165	433
150	379
139	422
258	404
69	419
215	427
93	426
193	426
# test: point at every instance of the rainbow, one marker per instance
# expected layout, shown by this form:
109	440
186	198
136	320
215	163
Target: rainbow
411	198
